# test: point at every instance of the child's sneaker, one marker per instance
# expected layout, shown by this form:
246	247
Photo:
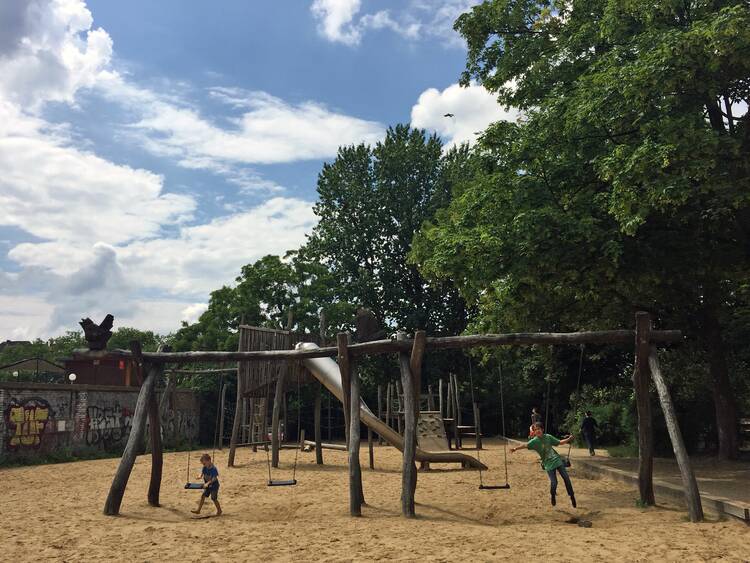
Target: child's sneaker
573	500
552	499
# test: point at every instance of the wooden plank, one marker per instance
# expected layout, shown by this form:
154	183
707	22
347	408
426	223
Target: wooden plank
408	466
690	485
641	381
135	439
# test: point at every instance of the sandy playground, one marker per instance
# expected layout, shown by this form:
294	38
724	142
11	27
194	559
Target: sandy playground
54	513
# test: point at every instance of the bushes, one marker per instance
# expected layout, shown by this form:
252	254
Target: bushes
614	410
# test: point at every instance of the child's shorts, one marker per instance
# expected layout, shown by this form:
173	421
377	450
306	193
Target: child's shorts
212	492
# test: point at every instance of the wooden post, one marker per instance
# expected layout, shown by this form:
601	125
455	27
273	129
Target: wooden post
690	486
285	417
370	447
254	417
135	438
415	366
276	416
440	396
408	466
457	421
318	438
477	427
356	494
221	416
157	448
236	423
388	400
430	399
342	341
400	407
643	403
329	418
380	410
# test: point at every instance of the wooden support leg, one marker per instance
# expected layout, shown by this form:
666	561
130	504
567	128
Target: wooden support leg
477	427
135	439
409	383
342	341
237	420
370	447
221	415
643	404
690	485
276	416
157	449
380	410
351	376
318	437
440	396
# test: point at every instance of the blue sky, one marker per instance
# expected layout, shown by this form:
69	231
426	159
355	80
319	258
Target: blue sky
150	149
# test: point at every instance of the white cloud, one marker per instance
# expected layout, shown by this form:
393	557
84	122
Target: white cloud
192	313
339	20
48	50
469	111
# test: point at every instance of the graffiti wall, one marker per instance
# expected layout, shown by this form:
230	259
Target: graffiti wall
40	419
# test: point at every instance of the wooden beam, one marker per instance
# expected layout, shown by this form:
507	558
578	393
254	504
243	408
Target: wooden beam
408	466
641	382
356	494
389	346
135	438
202	371
318	431
344	360
690	485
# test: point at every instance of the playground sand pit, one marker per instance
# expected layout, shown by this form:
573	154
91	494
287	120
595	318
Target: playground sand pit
54	513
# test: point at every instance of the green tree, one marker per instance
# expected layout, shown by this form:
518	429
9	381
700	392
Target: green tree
626	186
371	202
124	335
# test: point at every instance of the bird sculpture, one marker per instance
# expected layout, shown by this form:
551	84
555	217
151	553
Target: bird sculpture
97	335
367	326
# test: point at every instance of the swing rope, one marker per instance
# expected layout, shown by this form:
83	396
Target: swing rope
482	486
578	387
293	480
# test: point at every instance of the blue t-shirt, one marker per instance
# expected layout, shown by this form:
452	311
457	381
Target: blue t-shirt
209	473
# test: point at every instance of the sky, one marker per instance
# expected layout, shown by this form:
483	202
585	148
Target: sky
150	149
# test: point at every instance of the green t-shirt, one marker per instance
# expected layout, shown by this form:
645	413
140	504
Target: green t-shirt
543	446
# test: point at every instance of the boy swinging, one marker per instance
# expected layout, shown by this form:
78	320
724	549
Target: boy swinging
552	463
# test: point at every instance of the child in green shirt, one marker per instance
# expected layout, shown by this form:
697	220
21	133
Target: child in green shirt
552	463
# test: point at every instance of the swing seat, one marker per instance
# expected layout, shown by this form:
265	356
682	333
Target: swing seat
193	485
282	482
493	487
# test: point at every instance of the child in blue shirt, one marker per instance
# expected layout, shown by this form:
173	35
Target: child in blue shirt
210	476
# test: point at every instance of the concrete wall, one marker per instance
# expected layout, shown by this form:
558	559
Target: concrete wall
39	419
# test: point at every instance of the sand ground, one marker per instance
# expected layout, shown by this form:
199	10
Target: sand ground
53	513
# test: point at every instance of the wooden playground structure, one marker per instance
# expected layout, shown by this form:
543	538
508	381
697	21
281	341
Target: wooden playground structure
410	353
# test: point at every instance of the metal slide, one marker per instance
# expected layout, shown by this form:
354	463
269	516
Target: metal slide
327	372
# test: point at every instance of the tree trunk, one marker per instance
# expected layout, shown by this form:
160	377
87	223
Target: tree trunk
721	388
643	403
690	486
137	430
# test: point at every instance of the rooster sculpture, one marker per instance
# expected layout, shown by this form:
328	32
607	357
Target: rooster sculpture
97	335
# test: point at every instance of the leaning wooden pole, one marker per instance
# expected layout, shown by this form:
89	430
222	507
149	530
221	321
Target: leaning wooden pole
222	406
318	431
690	485
641	382
237	422
408	466
135	439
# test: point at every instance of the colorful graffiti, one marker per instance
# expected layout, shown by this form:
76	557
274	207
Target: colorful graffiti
107	426
26	421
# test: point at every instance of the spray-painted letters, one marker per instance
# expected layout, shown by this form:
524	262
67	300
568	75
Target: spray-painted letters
26	421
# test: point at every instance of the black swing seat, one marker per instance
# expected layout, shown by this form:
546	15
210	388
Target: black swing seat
281	482
193	485
493	487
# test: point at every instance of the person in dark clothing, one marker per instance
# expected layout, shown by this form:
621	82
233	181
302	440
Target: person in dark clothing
588	429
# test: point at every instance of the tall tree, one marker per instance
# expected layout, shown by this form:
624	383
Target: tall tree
626	187
371	202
